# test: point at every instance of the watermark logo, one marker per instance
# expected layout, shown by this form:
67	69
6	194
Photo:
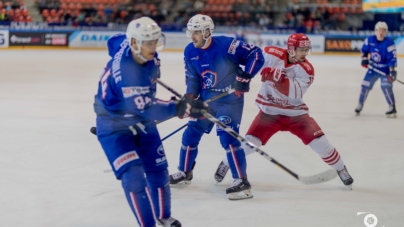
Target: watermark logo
370	220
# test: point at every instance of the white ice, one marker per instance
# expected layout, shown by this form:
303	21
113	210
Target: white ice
52	167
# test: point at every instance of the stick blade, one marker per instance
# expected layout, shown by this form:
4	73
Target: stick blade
319	178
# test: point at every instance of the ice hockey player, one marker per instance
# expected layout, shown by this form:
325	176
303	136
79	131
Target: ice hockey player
212	67
126	110
286	76
379	52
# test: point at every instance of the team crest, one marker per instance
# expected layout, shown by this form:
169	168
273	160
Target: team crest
375	57
209	79
160	150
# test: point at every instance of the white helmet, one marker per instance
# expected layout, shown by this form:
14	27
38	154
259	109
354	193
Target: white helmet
201	23
144	29
381	24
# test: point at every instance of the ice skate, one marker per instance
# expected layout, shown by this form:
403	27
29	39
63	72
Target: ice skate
345	177
241	189
221	172
181	178
392	113
359	109
169	222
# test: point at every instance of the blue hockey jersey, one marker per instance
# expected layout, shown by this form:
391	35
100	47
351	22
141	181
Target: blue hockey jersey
127	89
382	53
213	70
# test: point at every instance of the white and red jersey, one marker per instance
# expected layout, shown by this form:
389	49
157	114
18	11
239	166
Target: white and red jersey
285	97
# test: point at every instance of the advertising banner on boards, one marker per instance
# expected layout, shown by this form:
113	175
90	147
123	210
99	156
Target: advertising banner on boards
348	44
91	39
38	38
3	38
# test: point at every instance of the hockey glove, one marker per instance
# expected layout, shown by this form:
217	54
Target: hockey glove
272	74
393	75
365	62
189	107
242	83
192	96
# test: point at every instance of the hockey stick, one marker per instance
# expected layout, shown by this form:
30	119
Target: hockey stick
207	101
315	179
383	73
93	130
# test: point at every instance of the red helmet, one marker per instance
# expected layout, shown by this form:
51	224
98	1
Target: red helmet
297	40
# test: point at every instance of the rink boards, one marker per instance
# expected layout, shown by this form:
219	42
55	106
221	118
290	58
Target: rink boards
176	41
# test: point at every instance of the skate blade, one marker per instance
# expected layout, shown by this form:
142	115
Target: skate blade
218	180
348	187
357	114
246	194
391	116
181	184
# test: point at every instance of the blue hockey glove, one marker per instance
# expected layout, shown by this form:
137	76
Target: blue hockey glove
242	83
365	61
189	107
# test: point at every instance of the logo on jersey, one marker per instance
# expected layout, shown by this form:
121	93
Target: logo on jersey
161	161
233	46
132	91
225	89
195	58
209	79
375	57
391	48
125	158
307	66
160	150
278	52
224	119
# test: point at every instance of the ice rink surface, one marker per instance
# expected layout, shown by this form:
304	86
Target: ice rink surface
52	167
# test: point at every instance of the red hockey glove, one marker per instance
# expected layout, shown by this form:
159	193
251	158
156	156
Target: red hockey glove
272	74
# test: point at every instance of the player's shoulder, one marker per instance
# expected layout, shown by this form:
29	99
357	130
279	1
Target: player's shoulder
275	51
116	43
389	40
307	66
189	49
223	39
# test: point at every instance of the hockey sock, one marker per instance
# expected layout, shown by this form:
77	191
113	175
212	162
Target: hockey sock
247	149
364	94
237	161
134	185
388	94
160	193
187	158
327	152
